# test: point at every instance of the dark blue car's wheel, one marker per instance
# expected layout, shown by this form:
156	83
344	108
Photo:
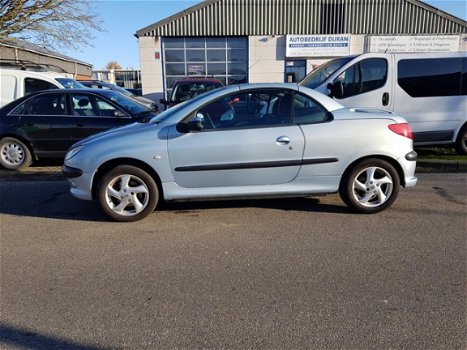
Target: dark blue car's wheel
128	193
14	154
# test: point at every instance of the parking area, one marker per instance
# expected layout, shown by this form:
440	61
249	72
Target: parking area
284	273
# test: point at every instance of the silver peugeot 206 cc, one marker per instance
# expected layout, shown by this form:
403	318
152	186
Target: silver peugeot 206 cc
241	141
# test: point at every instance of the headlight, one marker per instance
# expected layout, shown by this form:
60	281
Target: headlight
73	152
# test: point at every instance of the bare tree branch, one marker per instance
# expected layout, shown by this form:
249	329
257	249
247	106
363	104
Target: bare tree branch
56	24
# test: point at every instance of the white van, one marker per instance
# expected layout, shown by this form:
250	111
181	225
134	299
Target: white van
428	89
16	83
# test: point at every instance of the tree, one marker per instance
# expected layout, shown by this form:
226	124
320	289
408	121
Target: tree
113	65
55	24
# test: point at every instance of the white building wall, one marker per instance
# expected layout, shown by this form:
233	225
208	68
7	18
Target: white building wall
151	68
266	59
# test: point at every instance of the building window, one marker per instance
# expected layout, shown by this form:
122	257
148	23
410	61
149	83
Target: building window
222	58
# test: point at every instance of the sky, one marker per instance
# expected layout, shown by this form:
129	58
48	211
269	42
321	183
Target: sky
122	18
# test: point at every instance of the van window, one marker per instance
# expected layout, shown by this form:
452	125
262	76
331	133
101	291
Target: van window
32	85
364	76
430	77
320	74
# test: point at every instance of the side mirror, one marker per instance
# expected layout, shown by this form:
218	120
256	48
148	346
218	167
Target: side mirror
119	114
336	89
195	124
164	101
330	88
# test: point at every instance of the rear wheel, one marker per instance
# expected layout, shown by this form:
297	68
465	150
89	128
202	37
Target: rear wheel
14	154
127	193
370	186
461	143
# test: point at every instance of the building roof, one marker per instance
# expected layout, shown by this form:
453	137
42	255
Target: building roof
280	17
26	46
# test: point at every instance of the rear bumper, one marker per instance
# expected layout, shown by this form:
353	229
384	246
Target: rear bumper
408	164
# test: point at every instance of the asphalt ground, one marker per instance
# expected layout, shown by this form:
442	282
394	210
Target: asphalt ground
266	274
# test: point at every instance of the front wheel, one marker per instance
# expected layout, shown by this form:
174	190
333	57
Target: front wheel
370	186
127	193
461	142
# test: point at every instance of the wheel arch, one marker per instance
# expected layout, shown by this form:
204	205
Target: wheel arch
390	160
105	167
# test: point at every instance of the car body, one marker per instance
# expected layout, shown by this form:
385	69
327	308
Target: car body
46	123
16	83
428	89
186	89
261	140
97	84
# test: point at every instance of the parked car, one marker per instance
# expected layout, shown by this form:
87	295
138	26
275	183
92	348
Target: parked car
428	89
186	89
45	124
16	83
96	84
262	140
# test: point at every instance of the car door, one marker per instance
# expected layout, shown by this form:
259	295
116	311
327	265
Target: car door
242	139
93	114
366	83
44	123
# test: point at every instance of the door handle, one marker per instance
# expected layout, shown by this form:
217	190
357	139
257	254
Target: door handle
79	125
283	140
385	98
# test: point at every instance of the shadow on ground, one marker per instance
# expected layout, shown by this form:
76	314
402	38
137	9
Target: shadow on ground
51	199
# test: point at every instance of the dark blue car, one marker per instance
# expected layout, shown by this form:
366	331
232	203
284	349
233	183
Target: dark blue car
45	124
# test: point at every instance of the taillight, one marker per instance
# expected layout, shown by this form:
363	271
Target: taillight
402	129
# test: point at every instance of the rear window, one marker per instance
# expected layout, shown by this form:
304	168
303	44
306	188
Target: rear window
430	77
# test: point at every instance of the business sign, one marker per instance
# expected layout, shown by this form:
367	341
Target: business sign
418	43
317	45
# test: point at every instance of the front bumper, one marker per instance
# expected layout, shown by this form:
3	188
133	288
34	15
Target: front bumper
70	172
80	182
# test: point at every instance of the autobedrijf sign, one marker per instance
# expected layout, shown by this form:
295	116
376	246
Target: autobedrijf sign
317	45
417	43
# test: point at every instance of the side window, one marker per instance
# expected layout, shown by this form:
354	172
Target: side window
91	106
261	108
307	111
364	76
32	85
47	104
430	77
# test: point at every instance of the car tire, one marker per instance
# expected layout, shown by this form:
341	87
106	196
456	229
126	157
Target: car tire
127	193
14	154
370	186
461	142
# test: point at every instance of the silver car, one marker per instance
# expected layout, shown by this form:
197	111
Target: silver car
262	140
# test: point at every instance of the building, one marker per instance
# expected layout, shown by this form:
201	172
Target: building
126	78
14	51
282	40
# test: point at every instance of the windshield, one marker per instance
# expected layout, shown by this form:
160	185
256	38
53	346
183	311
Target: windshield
126	103
320	74
69	83
188	90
